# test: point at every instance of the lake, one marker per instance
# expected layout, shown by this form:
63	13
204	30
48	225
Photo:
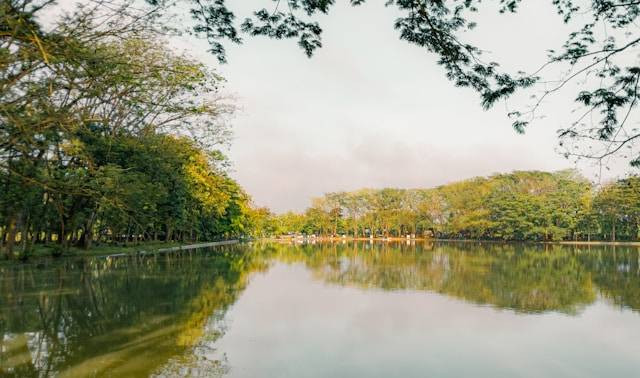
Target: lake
332	309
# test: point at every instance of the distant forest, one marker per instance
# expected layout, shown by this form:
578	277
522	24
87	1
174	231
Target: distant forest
520	206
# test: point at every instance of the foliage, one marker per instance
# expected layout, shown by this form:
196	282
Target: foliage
106	135
534	206
135	314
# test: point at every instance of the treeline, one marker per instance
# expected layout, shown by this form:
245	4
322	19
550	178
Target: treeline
106	134
521	206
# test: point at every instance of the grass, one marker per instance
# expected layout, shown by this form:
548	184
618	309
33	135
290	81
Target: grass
48	250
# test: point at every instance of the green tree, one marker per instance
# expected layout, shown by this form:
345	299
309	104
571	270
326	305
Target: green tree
107	135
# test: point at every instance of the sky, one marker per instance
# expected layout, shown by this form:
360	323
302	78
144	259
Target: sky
370	110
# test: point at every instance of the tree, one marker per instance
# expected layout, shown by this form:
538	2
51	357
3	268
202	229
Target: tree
519	206
263	223
106	134
617	206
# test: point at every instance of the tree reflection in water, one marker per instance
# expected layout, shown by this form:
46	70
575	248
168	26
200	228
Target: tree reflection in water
122	317
162	314
528	278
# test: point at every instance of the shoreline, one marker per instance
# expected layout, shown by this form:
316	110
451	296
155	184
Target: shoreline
411	240
110	251
178	248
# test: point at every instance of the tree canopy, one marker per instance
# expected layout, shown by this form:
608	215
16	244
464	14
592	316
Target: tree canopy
107	135
521	206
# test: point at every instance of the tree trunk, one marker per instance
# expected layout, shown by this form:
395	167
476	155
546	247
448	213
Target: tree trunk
167	237
128	234
87	236
24	236
62	236
11	238
136	232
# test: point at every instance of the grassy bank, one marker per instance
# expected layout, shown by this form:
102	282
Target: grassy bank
49	250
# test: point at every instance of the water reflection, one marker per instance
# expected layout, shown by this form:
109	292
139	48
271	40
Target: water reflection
119	317
525	278
162	315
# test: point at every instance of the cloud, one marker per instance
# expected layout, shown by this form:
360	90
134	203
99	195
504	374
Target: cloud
286	175
372	111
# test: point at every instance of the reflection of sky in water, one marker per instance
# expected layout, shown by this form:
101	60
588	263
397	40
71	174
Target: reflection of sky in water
342	310
287	324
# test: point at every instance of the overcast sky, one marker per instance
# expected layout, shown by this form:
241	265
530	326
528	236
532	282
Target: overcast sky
369	110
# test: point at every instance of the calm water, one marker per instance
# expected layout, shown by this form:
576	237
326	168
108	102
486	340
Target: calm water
339	310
